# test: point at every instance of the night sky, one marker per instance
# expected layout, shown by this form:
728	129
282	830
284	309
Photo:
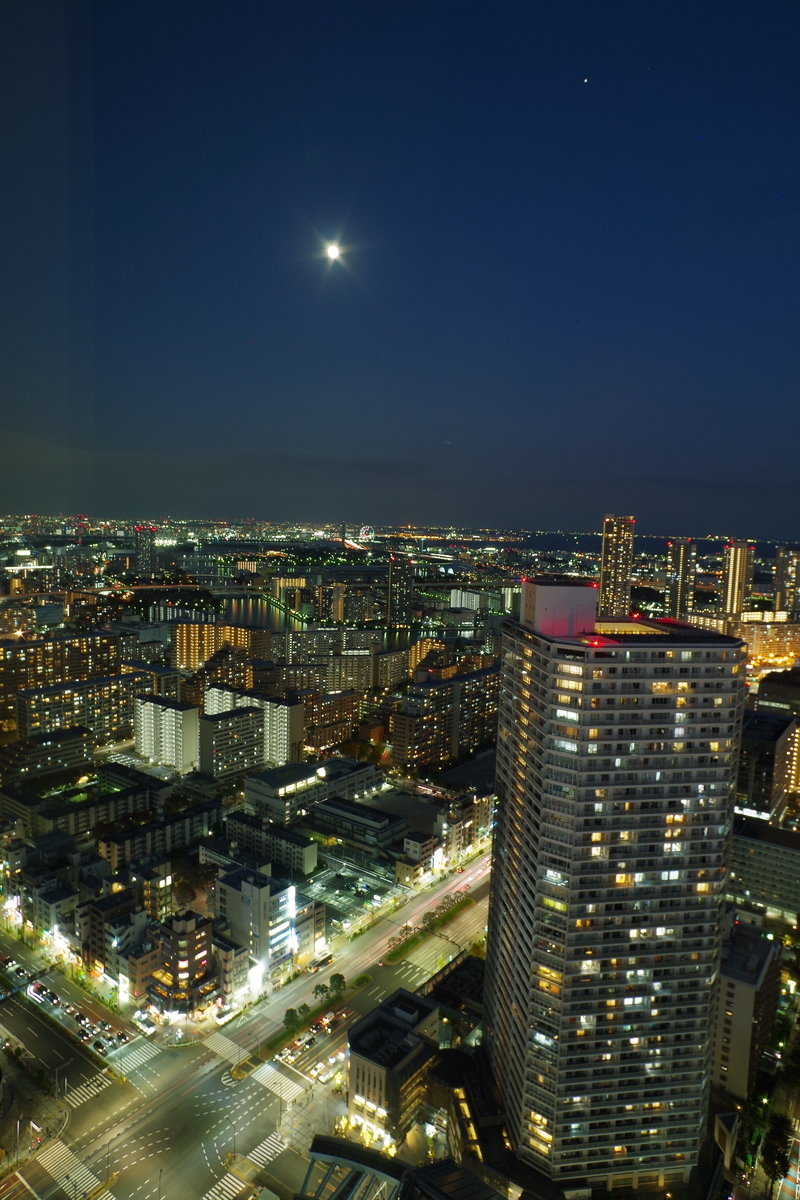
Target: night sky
569	282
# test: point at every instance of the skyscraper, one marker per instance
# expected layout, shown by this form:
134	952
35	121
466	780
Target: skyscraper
616	566
146	561
400	591
737	577
787	580
681	572
616	770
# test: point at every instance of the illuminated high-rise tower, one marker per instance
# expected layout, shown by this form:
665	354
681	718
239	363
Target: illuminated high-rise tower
681	572
616	776
737	578
787	580
146	562
616	566
400	591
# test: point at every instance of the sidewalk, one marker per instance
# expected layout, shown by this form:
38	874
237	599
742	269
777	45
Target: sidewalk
21	1104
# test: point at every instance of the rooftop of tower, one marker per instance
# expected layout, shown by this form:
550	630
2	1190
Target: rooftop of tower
638	629
565	610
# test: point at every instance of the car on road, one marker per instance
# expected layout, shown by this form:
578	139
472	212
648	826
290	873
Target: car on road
84	1035
332	1058
99	1047
315	1070
380	962
20	971
123	1037
326	1078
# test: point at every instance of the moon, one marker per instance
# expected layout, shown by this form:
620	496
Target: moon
333	252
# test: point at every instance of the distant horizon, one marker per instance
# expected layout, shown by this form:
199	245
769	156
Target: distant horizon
385	529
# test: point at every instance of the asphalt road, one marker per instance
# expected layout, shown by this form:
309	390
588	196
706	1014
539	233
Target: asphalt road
168	1130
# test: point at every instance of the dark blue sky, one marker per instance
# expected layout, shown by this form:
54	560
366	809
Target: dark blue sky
559	297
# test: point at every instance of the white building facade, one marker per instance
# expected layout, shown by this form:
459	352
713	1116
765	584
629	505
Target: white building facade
167	732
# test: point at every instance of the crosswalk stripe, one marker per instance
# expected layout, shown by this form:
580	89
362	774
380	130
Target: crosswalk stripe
269	1077
271	1148
226	1188
137	1055
225	1048
86	1091
61	1163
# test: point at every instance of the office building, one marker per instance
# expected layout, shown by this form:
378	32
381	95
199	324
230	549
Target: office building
764	874
74	810
356	825
616	566
765	764
441	719
359	605
97	923
787	582
185	979
737	578
354	670
145	549
276	844
616	768
330	602
745	1005
779	693
290	792
104	706
681	573
63	752
423	853
232	743
164	681
463	823
15	618
330	717
389	1054
159	838
167	732
400	592
270	918
195	642
391	667
770	638
40	662
283	719
232	969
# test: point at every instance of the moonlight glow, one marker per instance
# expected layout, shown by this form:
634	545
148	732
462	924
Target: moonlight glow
333	252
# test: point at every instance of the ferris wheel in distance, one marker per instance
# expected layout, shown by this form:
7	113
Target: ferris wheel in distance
366	534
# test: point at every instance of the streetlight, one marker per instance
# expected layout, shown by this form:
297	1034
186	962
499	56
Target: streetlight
108	1157
63	1067
159	1183
233	1127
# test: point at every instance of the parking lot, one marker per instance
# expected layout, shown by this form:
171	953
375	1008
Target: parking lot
350	892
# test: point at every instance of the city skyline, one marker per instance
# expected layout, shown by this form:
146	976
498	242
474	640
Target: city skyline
546	217
386	808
